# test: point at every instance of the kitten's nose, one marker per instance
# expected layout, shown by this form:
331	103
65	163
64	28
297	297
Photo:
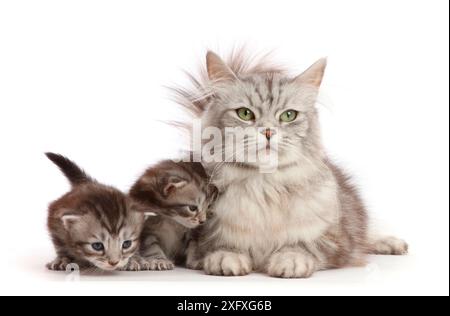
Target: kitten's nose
113	263
268	132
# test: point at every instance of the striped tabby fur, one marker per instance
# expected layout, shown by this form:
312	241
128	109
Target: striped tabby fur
181	194
92	213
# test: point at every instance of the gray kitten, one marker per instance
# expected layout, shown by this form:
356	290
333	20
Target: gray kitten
181	195
303	216
93	225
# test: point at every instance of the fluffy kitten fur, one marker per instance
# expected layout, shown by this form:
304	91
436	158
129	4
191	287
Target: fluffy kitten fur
92	214
180	194
305	216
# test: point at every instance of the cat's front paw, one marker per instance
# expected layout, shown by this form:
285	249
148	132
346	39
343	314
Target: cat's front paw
291	265
158	265
194	260
194	264
59	264
135	264
148	264
389	246
225	263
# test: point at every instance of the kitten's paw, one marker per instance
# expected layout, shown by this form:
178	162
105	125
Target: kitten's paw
59	264
194	264
194	261
158	265
291	265
135	264
389	246
225	263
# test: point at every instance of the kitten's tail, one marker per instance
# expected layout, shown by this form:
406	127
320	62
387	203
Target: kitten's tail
74	173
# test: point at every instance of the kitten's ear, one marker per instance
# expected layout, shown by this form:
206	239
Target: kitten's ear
173	184
69	219
218	69
313	76
142	208
213	193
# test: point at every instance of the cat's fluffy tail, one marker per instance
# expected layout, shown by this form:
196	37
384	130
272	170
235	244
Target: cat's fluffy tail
74	174
392	246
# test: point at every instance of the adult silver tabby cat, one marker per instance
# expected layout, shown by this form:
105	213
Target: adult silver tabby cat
302	217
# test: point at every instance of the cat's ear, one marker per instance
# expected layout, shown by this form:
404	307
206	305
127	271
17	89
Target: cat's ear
142	208
218	69
173	184
313	76
69	220
213	193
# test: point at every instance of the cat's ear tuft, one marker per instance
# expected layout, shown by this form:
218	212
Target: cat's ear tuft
218	69
69	220
173	184
313	76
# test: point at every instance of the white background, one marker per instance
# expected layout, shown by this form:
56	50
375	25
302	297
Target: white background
86	79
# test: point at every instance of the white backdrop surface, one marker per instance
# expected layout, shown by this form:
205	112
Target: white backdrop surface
86	79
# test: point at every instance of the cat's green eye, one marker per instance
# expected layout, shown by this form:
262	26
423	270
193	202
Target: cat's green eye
289	116
245	114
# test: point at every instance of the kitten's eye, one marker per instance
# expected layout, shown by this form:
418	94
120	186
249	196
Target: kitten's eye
193	208
245	114
98	246
127	244
289	116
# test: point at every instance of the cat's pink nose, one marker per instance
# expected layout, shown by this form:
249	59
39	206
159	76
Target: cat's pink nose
268	132
113	263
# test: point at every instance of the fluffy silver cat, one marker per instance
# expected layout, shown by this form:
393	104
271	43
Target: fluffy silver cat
304	216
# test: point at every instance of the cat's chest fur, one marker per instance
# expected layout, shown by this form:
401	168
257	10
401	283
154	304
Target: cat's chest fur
279	208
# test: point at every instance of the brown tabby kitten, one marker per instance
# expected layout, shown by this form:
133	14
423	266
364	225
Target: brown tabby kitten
92	225
181	194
